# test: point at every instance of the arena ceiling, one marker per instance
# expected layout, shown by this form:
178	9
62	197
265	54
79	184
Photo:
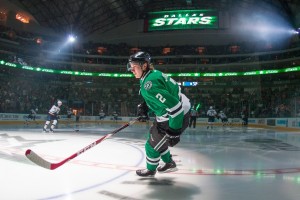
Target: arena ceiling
88	16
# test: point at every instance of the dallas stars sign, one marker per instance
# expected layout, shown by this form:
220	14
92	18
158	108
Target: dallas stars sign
182	19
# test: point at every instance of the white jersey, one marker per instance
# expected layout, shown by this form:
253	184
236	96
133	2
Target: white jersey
32	111
54	110
211	113
222	115
101	114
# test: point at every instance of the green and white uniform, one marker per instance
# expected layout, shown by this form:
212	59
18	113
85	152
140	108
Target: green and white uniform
163	96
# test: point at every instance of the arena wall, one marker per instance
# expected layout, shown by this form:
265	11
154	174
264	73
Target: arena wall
289	124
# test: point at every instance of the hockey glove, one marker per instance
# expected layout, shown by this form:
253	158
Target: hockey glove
173	135
143	112
173	140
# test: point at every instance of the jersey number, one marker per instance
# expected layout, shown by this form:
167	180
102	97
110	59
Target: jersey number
160	98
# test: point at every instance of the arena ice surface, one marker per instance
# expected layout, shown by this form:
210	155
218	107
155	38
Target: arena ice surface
223	163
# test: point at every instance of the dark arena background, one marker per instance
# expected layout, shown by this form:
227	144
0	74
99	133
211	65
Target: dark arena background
240	57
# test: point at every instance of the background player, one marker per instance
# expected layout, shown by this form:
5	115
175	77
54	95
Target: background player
101	115
211	113
244	116
115	116
223	118
69	116
193	117
32	116
52	116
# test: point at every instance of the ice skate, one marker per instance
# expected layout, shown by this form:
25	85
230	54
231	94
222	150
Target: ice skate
145	173
167	167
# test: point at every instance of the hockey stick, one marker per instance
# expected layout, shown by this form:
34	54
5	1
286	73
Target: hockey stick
35	158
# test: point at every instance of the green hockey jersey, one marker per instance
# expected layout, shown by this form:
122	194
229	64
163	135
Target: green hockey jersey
163	96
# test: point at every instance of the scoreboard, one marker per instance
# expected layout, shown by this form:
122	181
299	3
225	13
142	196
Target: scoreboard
182	20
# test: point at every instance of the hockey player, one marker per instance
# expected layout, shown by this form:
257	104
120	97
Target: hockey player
31	115
115	116
69	113
101	114
223	118
193	117
244	116
211	113
69	116
163	97
52	116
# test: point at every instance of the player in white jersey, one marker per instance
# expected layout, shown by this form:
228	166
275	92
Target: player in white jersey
223	118
211	113
52	116
101	115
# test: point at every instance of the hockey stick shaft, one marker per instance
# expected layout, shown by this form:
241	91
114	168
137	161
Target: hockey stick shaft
38	160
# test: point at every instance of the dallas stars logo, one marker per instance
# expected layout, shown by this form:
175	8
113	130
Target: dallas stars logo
148	85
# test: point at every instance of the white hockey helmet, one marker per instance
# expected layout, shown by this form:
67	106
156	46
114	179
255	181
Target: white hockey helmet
59	103
210	107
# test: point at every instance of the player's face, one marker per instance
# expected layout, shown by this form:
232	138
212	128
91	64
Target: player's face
136	69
